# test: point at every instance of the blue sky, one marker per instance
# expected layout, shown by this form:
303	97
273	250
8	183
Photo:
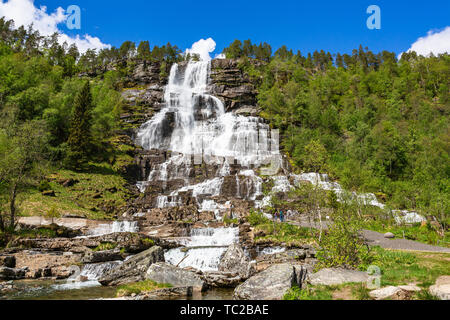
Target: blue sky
335	26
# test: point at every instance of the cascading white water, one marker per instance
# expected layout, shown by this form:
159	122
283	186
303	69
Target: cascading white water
203	249
194	122
88	277
113	227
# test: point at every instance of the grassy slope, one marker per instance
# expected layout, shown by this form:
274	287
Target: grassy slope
99	194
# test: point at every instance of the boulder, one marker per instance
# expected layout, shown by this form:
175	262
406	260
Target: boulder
167	292
177	277
236	262
384	293
134	269
293	256
102	256
337	276
8	261
221	279
12	273
441	289
271	284
389	235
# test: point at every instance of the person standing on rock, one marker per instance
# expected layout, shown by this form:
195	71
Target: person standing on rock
281	216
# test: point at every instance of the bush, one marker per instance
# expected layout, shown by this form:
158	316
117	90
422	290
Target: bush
44	185
342	245
256	218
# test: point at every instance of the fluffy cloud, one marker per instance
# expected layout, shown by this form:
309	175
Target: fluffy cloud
433	42
24	13
203	48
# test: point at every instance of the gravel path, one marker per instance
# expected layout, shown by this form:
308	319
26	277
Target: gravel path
377	239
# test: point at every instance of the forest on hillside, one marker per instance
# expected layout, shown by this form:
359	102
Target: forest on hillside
374	122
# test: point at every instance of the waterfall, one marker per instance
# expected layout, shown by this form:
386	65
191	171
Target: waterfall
203	249
88	277
113	227
194	123
95	271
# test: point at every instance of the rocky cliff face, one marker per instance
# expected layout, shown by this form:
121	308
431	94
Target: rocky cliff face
233	87
145	94
146	97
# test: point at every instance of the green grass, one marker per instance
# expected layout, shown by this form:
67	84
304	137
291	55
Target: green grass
285	233
148	241
279	233
140	287
310	293
99	194
37	233
227	221
105	246
399	267
349	291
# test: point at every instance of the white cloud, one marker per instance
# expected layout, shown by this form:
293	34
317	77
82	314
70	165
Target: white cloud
24	13
220	56
433	42
203	48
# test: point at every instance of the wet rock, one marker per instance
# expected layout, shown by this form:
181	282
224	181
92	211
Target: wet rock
167	292
166	273
235	261
337	276
222	279
441	288
134	269
271	284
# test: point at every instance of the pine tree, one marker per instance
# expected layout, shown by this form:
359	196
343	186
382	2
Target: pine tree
79	134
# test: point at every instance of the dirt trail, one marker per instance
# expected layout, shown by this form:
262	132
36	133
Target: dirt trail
377	239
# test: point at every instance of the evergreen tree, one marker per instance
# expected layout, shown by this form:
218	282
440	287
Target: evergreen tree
79	133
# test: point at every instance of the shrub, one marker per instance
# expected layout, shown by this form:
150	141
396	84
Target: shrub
342	245
44	185
256	218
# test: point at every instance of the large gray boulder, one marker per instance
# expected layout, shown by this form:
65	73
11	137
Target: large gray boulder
177	277
442	288
337	276
134	269
271	284
235	261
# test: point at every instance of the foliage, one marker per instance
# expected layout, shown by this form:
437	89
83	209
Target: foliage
342	245
309	293
376	123
80	130
104	246
256	218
